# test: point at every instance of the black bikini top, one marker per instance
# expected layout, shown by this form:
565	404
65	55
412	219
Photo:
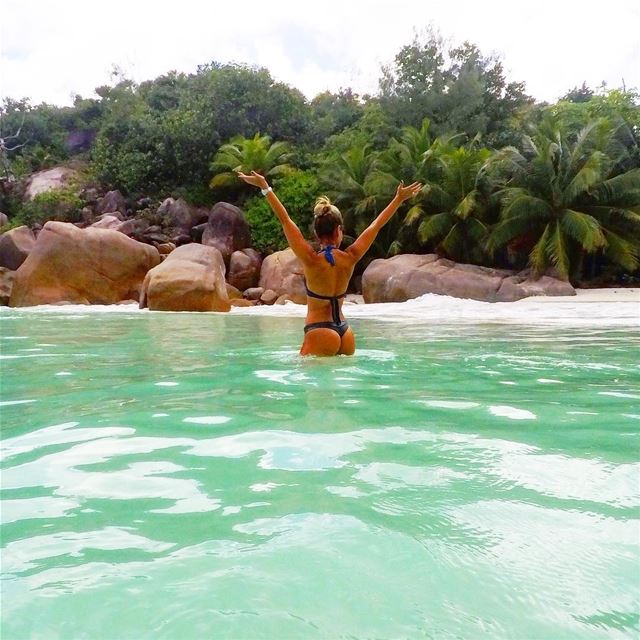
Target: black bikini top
333	300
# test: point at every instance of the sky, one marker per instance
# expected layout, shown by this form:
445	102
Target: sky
51	50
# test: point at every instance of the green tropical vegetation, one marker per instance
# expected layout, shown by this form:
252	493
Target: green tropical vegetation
569	198
452	219
246	155
299	189
59	204
508	182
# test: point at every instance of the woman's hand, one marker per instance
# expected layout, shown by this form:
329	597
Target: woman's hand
254	179
404	193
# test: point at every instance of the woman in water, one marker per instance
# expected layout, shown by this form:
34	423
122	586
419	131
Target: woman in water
328	271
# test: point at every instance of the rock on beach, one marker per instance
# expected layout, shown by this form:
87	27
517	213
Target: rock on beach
191	278
82	266
15	245
407	276
49	180
227	230
282	272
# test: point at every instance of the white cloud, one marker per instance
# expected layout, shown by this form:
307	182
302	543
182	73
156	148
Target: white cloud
51	50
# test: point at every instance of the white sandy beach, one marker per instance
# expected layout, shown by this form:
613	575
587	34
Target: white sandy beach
589	307
599	307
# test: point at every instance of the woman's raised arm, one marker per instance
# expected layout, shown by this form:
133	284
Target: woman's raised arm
300	246
366	238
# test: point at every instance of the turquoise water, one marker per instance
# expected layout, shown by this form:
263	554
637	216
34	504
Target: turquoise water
190	476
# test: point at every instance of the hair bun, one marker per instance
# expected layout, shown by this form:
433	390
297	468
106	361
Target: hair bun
326	217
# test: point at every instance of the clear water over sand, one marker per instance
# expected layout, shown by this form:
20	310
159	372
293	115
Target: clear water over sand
190	476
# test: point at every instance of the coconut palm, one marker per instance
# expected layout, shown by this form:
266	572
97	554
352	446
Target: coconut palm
450	214
560	193
249	154
416	157
350	182
409	158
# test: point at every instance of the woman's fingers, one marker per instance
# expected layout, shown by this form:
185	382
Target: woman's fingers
409	191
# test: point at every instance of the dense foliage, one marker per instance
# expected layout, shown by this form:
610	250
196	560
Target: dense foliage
299	189
507	182
60	204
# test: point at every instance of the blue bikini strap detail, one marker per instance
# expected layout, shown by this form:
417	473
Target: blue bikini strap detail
328	255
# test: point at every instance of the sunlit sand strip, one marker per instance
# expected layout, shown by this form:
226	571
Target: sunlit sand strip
589	307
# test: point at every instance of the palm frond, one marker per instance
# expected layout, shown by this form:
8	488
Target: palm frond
467	206
415	213
395	248
225	160
615	217
477	230
278	152
510	229
589	175
557	251
437	197
583	228
451	244
435	226
366	204
621	251
538	258
529	146
524	205
508	158
381	182
622	190
280	170
226	179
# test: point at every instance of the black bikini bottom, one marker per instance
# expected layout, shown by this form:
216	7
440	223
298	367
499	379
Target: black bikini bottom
339	328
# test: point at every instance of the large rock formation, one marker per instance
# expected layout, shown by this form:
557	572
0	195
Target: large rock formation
111	202
15	246
282	272
111	221
244	269
191	278
181	215
227	230
84	266
408	276
48	180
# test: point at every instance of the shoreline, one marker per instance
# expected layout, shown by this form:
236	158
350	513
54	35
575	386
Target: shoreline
615	294
589	307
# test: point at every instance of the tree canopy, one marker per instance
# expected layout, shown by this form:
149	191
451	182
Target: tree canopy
508	181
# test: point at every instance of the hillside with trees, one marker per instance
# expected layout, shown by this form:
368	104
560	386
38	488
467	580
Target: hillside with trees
508	181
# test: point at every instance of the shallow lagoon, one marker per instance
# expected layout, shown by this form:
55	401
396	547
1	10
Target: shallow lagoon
189	475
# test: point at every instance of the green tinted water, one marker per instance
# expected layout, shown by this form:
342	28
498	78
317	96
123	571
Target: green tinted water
189	476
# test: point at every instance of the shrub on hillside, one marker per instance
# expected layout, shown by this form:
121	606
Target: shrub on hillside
60	204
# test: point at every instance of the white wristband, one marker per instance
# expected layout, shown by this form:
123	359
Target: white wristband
265	191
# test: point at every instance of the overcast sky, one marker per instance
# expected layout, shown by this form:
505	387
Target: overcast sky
53	49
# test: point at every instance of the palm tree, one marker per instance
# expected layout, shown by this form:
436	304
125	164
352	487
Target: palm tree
415	157
350	179
451	212
249	154
561	193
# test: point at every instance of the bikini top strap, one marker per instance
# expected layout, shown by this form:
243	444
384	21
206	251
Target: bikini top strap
328	255
312	294
333	301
